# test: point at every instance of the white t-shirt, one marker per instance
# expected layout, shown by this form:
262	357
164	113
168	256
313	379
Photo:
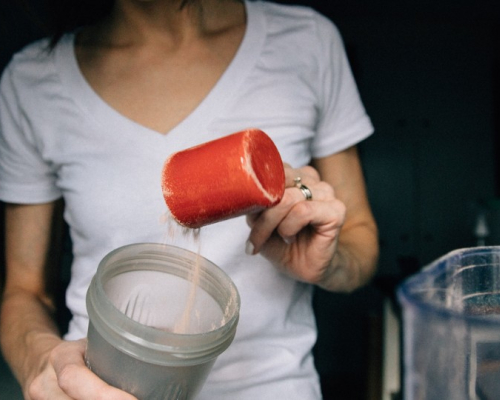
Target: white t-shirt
290	78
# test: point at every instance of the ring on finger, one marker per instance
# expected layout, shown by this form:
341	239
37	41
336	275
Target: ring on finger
303	188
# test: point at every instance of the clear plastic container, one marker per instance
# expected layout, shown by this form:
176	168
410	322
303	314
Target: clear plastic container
451	327
140	338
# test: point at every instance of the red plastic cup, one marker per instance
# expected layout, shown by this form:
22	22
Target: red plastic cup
235	175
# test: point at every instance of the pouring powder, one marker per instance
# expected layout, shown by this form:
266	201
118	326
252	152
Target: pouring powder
183	325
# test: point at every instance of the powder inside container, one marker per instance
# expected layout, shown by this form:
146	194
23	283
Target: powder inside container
168	301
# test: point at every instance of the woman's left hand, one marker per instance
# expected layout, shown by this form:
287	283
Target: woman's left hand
300	234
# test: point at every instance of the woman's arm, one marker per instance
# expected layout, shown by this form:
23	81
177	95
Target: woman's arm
356	257
27	329
330	241
46	366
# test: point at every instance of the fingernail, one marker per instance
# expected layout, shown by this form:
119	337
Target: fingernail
289	240
249	248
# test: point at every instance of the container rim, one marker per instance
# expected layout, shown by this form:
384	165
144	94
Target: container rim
408	297
141	341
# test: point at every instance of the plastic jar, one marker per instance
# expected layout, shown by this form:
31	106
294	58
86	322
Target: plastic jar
139	339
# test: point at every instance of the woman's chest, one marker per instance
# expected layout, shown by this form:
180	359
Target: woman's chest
158	87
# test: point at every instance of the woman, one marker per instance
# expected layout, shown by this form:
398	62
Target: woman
92	121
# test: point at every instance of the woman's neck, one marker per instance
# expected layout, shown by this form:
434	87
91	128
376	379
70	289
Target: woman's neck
155	64
135	22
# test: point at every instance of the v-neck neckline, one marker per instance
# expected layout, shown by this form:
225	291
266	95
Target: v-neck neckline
197	121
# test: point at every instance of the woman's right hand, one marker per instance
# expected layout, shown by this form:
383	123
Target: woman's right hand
66	376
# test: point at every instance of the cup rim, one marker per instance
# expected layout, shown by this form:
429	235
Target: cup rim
146	342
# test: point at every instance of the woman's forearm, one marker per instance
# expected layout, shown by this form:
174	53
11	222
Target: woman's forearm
27	329
355	259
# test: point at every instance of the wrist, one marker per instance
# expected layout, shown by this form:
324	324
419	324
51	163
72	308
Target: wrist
341	275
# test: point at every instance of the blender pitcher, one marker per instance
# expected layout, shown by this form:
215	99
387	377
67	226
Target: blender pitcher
451	327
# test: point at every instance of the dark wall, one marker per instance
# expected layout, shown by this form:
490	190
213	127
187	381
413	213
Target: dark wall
21	21
428	73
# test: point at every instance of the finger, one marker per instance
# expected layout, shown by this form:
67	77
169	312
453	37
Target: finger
268	221
307	174
252	217
45	387
320	191
78	381
325	217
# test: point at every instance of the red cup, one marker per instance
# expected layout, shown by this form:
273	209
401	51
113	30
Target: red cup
235	175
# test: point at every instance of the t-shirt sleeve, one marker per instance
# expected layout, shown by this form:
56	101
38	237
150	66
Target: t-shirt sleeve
343	121
25	177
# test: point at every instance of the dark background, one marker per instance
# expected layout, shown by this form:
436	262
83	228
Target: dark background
429	75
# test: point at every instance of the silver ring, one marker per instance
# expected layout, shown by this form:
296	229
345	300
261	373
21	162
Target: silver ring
303	188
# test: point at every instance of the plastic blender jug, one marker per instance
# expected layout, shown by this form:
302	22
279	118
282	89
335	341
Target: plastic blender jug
451	327
141	338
